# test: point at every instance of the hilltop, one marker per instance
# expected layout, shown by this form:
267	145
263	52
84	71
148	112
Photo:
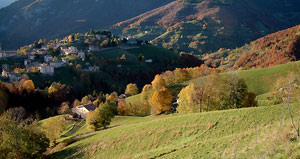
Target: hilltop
28	20
274	49
207	25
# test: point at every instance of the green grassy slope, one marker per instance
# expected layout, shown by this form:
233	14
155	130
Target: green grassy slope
259	81
221	134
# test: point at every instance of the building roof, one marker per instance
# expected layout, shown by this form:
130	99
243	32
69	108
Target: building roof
89	107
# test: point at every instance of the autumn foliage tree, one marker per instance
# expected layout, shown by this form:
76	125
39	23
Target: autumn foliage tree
101	117
132	89
64	108
20	140
53	128
147	93
215	93
158	82
187	100
123	108
161	101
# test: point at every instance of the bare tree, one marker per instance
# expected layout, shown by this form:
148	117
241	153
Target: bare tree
290	92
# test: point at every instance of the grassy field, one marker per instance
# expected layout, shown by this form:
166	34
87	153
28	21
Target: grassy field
259	81
112	54
261	132
243	133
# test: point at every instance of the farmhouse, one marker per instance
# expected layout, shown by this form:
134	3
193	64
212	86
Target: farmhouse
82	110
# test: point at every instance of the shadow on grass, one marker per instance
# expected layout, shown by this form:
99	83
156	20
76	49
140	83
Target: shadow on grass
73	152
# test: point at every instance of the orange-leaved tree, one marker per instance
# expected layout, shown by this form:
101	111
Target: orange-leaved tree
158	82
161	101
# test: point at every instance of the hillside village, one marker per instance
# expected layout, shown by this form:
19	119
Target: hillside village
45	57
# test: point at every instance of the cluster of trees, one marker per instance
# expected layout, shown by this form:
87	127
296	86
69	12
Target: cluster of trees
40	103
20	137
215	93
155	99
185	74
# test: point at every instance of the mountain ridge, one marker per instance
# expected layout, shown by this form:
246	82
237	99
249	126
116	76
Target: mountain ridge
274	49
205	26
28	20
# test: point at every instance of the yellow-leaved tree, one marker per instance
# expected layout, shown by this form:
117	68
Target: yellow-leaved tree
161	101
147	93
53	128
187	102
132	89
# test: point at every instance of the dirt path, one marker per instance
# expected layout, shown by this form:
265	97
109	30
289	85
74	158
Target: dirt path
73	130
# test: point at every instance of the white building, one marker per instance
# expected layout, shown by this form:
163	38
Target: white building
48	58
26	62
70	50
44	47
4	73
46	69
149	61
66	60
82	110
91	48
42	52
31	57
92	69
81	54
6	54
57	64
